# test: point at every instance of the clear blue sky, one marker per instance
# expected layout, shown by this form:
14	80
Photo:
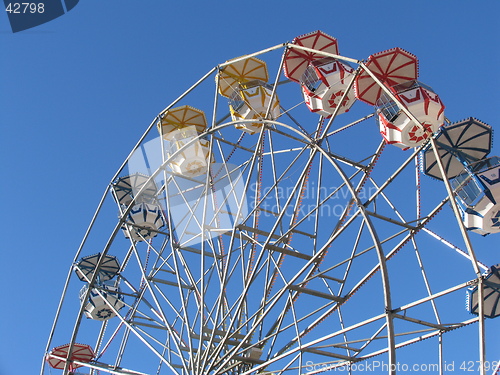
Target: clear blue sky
77	92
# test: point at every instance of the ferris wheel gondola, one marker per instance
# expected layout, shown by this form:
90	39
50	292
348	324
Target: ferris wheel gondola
104	299
459	144
463	147
244	82
325	81
491	297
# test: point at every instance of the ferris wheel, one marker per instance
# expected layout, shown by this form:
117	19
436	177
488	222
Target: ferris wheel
279	217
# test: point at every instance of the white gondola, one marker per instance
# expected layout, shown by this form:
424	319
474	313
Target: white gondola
251	101
193	160
324	84
102	306
244	82
477	191
425	105
491	294
143	222
180	126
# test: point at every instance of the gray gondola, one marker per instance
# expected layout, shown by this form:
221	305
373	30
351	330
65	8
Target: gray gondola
463	147
491	290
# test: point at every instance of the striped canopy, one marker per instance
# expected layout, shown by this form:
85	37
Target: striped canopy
79	352
242	70
297	60
391	67
179	118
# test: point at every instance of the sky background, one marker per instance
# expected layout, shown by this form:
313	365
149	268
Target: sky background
76	93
